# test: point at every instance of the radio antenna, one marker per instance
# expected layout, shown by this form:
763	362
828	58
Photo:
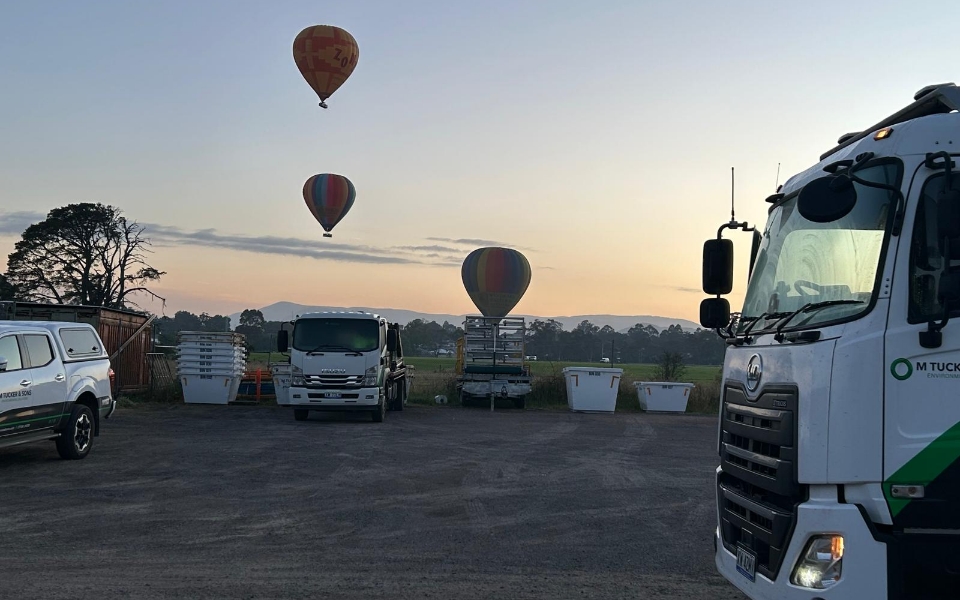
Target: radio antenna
733	216
777	184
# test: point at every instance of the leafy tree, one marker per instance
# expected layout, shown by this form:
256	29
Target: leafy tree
669	367
82	254
252	318
7	291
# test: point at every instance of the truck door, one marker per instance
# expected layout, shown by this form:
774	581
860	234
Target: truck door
922	386
16	403
47	372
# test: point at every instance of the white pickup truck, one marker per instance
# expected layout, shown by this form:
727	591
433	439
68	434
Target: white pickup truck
55	384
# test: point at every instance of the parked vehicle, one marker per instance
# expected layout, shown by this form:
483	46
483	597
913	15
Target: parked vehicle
839	443
491	362
344	361
55	384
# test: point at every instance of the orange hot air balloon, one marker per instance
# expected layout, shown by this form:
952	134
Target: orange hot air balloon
326	56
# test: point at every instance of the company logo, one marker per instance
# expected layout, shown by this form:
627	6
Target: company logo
333	371
901	369
754	372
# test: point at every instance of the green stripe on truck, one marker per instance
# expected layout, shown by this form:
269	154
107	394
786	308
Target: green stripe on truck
925	467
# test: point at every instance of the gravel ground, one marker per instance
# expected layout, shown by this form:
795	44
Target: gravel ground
244	502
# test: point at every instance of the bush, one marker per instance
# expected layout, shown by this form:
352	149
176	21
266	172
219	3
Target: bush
669	367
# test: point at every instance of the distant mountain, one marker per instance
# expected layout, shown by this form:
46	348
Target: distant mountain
285	311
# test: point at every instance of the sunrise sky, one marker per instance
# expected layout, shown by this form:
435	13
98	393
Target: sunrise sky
597	137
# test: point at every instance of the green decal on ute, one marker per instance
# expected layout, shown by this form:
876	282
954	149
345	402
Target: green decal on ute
925	467
901	374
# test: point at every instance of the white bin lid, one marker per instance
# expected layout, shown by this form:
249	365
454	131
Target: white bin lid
663	384
613	371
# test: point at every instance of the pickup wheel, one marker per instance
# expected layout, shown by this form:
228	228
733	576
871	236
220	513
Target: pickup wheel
76	439
301	414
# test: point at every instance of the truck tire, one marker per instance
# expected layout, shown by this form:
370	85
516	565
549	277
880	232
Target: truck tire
380	410
76	439
401	391
301	414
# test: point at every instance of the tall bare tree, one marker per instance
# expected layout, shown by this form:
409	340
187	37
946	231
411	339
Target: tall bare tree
82	254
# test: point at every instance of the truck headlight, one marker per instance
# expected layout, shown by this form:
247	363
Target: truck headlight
821	563
370	377
296	377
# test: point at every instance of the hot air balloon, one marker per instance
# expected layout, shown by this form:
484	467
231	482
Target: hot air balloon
329	197
495	279
326	56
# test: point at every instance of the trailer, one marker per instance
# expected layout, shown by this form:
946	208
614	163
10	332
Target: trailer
491	362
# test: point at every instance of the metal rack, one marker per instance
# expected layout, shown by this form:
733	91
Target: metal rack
493	341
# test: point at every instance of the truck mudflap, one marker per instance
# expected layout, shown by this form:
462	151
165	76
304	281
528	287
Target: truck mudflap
864	566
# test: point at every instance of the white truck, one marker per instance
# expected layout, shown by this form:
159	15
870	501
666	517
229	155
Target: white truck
839	431
55	384
344	361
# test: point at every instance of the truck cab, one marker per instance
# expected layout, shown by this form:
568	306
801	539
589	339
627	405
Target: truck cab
839	432
344	361
55	384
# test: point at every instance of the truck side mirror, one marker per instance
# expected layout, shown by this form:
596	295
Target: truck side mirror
3	364
715	313
754	250
717	267
391	340
283	341
827	199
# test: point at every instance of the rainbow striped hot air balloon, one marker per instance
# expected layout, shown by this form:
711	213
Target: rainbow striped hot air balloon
495	279
329	197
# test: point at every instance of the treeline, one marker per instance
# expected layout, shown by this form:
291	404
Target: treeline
587	342
546	339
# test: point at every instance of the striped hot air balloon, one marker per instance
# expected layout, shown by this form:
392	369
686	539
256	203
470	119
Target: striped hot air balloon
326	56
495	279
329	197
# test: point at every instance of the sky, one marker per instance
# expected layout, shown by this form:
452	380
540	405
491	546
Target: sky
596	137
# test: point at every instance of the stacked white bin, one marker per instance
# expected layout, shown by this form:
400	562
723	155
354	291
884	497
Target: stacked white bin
210	366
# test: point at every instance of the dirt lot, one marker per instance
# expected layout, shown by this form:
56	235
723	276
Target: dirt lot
212	502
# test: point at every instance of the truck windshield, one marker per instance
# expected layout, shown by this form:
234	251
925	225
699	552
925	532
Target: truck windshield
356	335
802	263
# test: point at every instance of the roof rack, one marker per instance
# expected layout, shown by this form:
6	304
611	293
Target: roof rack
931	100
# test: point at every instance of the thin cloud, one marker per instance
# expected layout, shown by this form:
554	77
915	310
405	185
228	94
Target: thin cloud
169	235
15	223
473	242
436	248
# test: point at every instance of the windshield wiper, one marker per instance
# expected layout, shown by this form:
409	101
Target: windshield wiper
809	307
745	336
335	348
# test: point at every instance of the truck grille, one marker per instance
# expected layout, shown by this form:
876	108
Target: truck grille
337	382
757	489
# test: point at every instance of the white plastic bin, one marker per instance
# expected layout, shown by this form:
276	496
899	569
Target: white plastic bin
663	396
592	389
210	389
282	378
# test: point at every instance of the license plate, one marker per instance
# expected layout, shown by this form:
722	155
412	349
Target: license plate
747	563
332	395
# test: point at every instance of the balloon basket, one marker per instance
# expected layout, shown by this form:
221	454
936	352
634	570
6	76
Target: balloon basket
330	235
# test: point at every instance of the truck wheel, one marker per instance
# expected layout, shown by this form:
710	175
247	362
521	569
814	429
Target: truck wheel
379	412
301	414
401	395
76	439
